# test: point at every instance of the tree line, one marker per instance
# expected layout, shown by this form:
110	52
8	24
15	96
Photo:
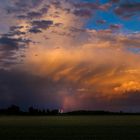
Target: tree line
15	110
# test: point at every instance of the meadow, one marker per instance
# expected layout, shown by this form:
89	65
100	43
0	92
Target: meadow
70	127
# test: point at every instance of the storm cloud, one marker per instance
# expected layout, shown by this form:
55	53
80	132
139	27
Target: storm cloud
70	55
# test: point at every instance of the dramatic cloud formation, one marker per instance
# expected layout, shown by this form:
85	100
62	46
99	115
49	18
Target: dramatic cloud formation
67	54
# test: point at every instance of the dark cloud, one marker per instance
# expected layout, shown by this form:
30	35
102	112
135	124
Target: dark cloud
62	81
83	13
13	10
124	8
128	9
21	16
38	26
14	42
19	6
25	89
13	28
14	33
44	9
35	30
92	6
8	49
41	24
32	15
87	5
18	33
9	43
128	102
57	4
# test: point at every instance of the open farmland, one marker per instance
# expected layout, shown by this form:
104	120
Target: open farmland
70	127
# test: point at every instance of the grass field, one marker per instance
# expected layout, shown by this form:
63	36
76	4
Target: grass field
70	128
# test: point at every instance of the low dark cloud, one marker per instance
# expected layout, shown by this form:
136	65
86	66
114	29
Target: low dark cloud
128	102
25	89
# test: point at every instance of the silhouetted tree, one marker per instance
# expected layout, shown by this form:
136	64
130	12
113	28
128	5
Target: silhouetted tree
13	109
33	111
55	112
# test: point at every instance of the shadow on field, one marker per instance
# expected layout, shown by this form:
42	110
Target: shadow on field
70	128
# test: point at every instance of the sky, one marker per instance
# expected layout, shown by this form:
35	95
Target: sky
70	54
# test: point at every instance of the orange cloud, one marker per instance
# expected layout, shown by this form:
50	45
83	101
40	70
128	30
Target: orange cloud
83	64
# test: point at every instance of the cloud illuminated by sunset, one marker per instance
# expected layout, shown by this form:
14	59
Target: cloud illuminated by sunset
70	54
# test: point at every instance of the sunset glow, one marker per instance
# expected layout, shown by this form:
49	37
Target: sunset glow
68	54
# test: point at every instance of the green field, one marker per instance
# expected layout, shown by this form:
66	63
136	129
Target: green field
70	128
